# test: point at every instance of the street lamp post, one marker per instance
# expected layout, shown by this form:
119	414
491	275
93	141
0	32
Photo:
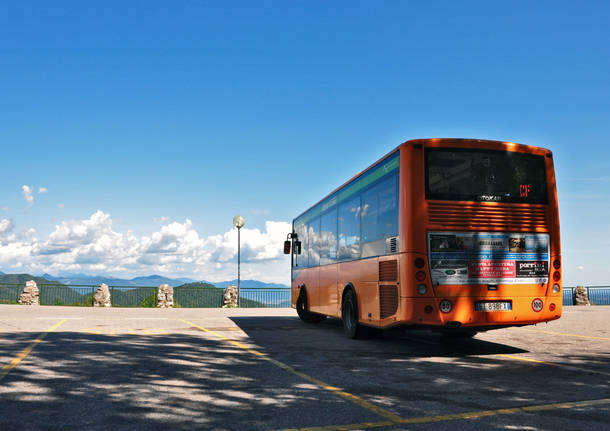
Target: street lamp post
238	222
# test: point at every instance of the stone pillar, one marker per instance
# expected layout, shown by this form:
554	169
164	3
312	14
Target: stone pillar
30	294
165	296
581	297
230	298
102	296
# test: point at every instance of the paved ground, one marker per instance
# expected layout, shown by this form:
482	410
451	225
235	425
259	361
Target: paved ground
130	369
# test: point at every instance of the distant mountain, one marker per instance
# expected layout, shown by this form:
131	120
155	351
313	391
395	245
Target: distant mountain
199	285
22	278
252	284
152	280
156	280
84	279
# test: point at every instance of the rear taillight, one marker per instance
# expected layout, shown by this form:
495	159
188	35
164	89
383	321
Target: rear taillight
419	263
556	288
556	276
556	264
428	309
552	307
422	289
420	275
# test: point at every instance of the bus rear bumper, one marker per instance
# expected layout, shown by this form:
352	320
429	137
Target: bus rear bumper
464	312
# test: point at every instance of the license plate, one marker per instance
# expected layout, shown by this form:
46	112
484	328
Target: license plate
492	306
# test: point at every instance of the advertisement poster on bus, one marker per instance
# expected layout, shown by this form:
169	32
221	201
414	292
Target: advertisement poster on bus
488	258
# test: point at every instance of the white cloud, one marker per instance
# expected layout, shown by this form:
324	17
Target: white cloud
6	225
93	246
42	190
27	194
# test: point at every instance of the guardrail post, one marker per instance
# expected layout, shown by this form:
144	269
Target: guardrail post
588	295
31	294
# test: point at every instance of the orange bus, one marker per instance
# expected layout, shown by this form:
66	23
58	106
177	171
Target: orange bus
455	235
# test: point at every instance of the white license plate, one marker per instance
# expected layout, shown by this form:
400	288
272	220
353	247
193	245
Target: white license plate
492	306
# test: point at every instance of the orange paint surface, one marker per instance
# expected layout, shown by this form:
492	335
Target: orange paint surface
325	285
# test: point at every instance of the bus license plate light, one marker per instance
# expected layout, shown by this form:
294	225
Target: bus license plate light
492	306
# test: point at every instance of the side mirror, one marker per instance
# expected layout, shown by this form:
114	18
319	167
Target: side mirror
297	246
287	247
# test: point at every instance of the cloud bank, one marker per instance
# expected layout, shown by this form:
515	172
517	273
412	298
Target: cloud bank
176	250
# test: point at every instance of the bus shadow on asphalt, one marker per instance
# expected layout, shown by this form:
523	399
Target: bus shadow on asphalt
328	335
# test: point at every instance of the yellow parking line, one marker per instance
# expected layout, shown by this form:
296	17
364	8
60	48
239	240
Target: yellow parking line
394	418
458	416
557	364
526	409
25	352
567	335
525	359
347	427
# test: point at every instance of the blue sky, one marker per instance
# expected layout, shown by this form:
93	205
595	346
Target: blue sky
154	123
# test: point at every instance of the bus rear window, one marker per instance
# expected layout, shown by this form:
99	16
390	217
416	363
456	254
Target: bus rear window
485	175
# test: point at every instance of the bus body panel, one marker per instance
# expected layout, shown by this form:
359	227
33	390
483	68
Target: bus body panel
328	294
417	217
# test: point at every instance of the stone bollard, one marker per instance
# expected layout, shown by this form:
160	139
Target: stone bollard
230	298
165	296
30	294
581	296
102	296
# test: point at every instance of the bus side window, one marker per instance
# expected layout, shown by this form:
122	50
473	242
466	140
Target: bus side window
379	216
313	236
301	261
349	230
328	237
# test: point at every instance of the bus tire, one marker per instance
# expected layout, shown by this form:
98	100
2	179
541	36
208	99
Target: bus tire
349	315
304	314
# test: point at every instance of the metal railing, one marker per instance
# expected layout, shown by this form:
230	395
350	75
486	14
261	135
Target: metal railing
9	293
264	298
598	295
146	296
198	297
79	295
568	296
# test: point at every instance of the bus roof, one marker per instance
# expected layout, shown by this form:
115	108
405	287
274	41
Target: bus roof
516	146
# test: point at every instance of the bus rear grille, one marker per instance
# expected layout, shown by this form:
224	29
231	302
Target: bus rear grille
388	301
496	216
388	270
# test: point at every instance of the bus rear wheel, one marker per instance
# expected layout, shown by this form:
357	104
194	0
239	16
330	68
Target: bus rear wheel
304	314
349	315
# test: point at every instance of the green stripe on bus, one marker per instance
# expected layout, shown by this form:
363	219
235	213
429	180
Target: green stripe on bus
349	190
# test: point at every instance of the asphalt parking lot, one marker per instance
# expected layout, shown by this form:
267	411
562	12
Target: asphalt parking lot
263	369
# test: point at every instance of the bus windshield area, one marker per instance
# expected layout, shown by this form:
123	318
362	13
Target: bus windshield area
485	176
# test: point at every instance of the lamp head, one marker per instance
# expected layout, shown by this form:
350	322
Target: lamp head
239	221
